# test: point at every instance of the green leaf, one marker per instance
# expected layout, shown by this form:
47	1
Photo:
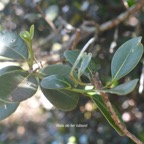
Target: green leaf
71	57
123	89
62	99
6	109
57	69
126	58
32	32
102	107
25	35
12	46
17	85
9	69
84	64
55	82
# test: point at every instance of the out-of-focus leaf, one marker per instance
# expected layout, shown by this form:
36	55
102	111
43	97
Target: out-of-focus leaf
126	58
6	109
32	31
52	12
12	46
123	89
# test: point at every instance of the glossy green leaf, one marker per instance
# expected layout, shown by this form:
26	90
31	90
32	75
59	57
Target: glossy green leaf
17	85
123	89
126	58
102	107
57	69
71	57
55	82
12	46
6	109
62	99
84	64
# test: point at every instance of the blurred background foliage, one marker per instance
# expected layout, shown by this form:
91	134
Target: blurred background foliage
36	121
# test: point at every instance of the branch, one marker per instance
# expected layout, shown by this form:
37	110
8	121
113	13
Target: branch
112	23
97	84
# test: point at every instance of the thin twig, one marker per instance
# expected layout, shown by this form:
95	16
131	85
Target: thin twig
112	23
98	85
77	35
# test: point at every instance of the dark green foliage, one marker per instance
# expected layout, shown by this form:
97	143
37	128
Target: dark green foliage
62	84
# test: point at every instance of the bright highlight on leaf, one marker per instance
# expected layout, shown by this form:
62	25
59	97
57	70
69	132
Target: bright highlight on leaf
12	46
123	89
126	58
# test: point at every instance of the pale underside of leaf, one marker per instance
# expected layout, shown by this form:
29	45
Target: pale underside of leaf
123	89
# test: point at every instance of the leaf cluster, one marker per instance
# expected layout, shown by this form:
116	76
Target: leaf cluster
62	83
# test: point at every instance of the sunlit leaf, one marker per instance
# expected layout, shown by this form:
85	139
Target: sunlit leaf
17	85
126	58
12	46
102	107
123	89
55	82
6	109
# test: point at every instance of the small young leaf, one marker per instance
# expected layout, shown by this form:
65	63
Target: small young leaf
55	82
6	109
12	46
71	57
17	85
84	64
126	58
32	32
62	99
25	35
123	89
102	107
